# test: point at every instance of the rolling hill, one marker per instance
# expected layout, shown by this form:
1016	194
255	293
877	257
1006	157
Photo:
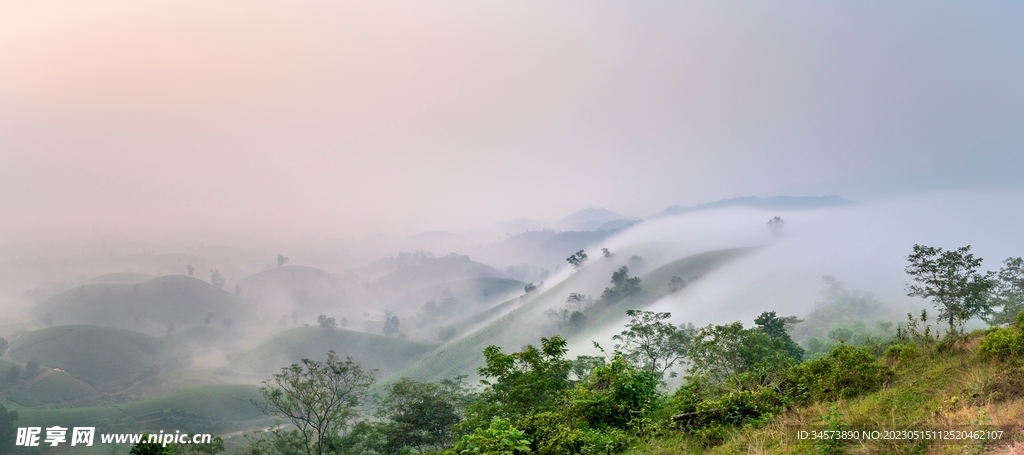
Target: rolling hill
150	307
384	354
528	323
201	409
109	360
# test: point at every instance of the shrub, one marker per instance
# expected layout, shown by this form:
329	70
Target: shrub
900	353
553	435
613	396
1002	344
846	372
500	438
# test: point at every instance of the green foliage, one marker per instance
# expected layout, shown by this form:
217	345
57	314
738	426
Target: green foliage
775	327
902	353
720	351
613	396
421	415
846	372
8	432
319	398
500	438
622	286
551	434
952	281
1008	292
520	383
1003	344
652	343
577	260
834	421
151	448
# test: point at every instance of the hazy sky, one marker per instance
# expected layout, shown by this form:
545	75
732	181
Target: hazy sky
354	117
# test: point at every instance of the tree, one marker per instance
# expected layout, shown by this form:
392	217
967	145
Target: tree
952	281
318	398
652	343
216	278
326	322
606	252
675	284
775	225
421	415
775	327
31	368
13	376
523	382
636	262
391	325
1008	292
720	351
576	301
577	260
622	286
281	260
7	430
4	346
190	269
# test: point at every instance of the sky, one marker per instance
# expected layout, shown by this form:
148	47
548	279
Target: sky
349	118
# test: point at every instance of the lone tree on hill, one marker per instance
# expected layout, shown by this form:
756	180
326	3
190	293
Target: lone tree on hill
577	260
216	278
952	281
775	225
281	260
190	269
326	322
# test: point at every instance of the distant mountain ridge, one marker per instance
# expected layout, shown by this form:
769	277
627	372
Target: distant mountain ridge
765	203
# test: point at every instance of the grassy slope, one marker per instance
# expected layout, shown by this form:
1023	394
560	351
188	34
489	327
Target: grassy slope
935	390
210	408
107	359
371	351
527	323
148	306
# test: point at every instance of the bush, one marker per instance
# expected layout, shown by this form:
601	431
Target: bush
613	396
900	353
552	435
500	438
846	372
1002	344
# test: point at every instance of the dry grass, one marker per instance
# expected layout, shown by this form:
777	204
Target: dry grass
953	389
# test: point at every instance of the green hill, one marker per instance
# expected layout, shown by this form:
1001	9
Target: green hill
109	360
528	323
202	409
149	307
371	351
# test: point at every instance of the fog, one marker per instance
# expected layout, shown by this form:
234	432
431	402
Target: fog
221	190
